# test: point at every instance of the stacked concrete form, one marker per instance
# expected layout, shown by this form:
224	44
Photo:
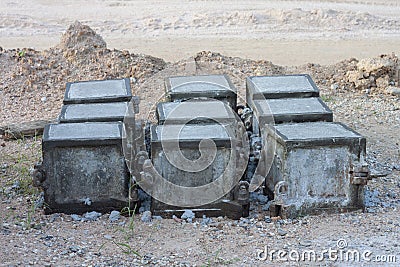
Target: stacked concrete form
198	156
83	166
317	165
202	107
217	87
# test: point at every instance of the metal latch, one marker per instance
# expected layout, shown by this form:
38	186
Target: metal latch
360	175
280	192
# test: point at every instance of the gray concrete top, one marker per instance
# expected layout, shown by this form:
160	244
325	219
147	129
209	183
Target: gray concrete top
195	109
284	106
94	112
93	91
190	132
315	131
285	85
200	83
83	131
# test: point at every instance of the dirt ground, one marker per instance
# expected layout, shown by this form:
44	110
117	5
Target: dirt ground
361	91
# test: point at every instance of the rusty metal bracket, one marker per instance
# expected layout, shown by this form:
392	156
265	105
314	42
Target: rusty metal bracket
244	193
140	158
136	101
280	192
38	175
133	192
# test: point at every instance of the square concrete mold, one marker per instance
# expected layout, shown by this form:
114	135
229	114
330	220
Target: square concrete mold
195	112
203	86
287	86
286	110
94	112
98	91
83	167
317	167
190	136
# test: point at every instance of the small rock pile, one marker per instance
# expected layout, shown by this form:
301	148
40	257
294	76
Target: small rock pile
375	74
238	66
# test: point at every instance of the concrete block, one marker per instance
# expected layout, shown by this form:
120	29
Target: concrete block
189	137
200	112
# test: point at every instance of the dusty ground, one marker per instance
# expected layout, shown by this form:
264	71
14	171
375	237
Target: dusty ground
284	32
361	92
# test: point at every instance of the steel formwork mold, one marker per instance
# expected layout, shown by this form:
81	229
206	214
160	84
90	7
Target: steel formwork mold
317	166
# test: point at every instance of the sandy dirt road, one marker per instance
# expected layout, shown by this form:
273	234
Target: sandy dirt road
285	32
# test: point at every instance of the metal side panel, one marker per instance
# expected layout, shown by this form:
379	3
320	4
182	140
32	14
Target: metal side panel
190	137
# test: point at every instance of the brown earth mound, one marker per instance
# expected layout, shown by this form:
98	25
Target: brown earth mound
81	38
33	82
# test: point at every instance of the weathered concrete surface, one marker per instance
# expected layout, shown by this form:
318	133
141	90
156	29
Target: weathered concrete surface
187	133
195	112
313	165
313	132
93	131
83	167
